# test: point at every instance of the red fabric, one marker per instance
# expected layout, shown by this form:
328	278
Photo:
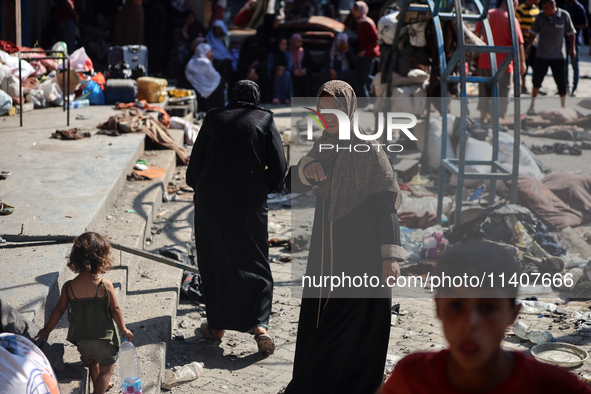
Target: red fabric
424	373
499	26
243	17
8	47
367	39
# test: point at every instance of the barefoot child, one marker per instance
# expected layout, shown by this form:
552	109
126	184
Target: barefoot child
474	320
92	308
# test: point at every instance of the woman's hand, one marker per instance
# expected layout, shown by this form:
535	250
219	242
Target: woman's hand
314	171
390	269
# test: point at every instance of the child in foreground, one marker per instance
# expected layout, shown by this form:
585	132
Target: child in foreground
474	322
92	309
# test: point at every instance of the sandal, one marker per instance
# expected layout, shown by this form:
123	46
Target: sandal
6	209
265	343
208	333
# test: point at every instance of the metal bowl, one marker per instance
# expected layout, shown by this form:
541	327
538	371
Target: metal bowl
559	353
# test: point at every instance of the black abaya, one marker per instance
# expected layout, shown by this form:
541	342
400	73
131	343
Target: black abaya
343	337
236	161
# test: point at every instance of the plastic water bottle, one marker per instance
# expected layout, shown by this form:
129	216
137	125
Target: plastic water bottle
130	369
79	103
524	331
535	307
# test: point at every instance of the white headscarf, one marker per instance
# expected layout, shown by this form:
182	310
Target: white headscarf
200	72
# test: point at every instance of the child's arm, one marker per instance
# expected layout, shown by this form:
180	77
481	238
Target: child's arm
56	315
116	311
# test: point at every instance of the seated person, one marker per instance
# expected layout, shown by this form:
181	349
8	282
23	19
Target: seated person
204	78
341	61
280	65
474	321
300	74
224	60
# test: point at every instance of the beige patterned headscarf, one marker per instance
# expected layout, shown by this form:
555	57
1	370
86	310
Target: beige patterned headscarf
355	175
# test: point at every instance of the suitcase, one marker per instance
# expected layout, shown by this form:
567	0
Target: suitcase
134	55
120	91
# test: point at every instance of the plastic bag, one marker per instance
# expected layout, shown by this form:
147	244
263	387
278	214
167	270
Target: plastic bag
60	46
12	62
51	92
36	97
93	92
24	368
80	61
387	27
5	103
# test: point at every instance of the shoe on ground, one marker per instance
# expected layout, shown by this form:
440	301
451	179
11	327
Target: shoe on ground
524	90
543	92
531	112
573	93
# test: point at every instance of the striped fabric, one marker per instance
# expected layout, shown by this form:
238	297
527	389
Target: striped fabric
526	16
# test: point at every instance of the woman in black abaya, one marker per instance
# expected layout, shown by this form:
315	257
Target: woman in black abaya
343	332
236	161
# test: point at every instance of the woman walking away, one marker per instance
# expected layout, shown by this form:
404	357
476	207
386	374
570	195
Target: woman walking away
238	148
343	331
93	309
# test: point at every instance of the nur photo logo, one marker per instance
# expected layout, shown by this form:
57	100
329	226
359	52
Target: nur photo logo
389	122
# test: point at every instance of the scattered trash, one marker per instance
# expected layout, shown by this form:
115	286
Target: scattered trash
163	212
130	211
72	134
4	174
192	288
6	209
524	331
141	167
433	245
177	376
535	307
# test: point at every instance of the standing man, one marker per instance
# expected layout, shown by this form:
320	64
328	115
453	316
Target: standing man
238	150
552	25
526	14
578	16
499	25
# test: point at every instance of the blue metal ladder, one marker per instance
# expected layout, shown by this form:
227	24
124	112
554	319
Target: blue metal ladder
442	11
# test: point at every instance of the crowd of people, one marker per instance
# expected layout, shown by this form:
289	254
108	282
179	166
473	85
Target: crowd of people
281	64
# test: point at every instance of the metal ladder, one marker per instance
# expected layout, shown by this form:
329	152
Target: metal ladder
442	11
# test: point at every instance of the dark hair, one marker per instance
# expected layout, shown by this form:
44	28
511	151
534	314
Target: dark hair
90	253
553	2
490	262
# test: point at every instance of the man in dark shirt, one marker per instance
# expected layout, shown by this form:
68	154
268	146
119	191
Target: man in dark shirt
578	16
552	25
